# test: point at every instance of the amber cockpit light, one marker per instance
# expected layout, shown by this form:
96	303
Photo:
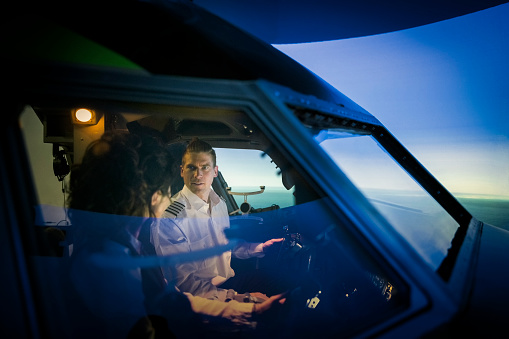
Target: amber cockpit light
84	116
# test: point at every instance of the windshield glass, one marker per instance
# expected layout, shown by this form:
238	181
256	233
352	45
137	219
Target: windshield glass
265	228
405	204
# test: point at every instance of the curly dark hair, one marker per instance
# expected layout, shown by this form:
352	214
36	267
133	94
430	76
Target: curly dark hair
157	167
119	174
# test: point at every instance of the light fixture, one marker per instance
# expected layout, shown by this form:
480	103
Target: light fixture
84	116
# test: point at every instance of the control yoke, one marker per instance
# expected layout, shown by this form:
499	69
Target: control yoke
245	207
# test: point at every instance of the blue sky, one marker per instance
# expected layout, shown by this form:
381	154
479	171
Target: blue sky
442	89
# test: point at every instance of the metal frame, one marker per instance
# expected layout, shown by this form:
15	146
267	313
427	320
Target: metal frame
431	302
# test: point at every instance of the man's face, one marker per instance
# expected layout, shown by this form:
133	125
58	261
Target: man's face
198	172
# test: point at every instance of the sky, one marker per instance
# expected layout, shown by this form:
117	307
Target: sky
441	89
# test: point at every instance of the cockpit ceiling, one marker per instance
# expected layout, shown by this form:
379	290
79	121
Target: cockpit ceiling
221	127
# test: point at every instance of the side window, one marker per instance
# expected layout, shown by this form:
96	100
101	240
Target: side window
405	204
253	177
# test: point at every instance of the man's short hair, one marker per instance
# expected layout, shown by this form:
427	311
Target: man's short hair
197	146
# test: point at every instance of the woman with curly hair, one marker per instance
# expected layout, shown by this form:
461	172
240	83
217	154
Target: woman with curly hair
122	181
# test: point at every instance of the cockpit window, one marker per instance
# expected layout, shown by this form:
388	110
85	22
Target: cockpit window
404	203
253	177
334	280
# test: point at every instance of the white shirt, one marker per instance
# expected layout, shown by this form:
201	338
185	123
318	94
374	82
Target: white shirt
191	224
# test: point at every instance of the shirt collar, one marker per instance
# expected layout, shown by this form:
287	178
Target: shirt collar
196	202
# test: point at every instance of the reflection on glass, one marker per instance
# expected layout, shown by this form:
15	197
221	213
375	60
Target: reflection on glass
335	287
410	209
334	284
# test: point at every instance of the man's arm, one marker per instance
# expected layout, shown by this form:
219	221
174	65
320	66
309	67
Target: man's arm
188	282
237	312
247	250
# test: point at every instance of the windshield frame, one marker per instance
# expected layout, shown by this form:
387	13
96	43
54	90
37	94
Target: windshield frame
260	100
314	113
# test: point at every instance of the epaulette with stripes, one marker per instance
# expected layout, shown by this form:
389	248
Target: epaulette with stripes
175	208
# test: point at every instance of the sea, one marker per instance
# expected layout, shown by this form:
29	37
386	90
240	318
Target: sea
493	211
490	211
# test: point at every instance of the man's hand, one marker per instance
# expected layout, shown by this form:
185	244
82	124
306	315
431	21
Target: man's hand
267	304
271	242
259	295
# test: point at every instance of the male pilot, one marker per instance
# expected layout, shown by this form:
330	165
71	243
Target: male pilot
195	220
